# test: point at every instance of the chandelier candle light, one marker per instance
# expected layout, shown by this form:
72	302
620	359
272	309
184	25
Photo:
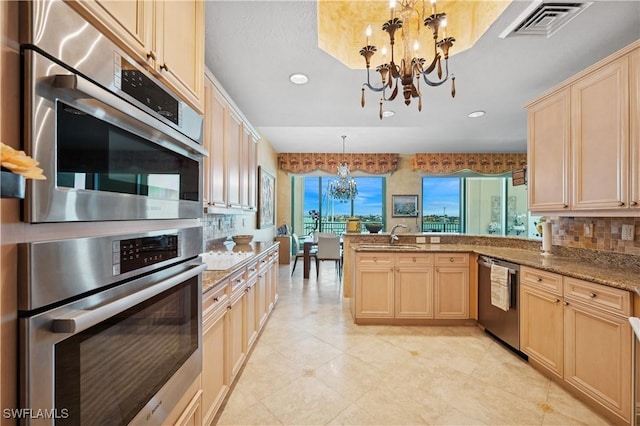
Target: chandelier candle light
410	70
343	188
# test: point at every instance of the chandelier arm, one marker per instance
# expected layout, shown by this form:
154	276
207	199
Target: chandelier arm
441	82
375	89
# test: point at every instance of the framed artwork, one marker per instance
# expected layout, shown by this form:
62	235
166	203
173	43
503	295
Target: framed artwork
404	205
266	199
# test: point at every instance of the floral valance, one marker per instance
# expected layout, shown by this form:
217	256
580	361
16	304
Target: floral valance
328	162
486	164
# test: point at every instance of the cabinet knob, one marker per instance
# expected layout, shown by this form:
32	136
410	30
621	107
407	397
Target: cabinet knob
565	303
375	259
437	269
151	55
215	299
621	203
592	295
634	203
246	290
397	269
229	308
164	66
451	259
539	279
564	206
556	301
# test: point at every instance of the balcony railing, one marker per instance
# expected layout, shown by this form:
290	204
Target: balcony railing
341	227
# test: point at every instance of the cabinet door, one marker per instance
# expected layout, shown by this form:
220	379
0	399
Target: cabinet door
215	383
413	292
129	22
208	140
261	297
244	168
250	324
192	415
597	356
252	156
451	292
274	282
237	348
217	172
541	328
374	292
548	153
600	138
181	47
634	108
233	141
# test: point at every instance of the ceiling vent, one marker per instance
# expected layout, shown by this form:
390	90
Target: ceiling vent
544	18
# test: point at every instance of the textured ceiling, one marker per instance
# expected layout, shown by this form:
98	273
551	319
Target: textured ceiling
252	47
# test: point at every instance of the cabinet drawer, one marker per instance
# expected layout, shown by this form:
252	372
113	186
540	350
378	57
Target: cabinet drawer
451	259
252	270
375	259
543	280
214	298
610	299
418	259
237	281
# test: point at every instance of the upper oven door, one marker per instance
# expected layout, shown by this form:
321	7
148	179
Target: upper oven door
104	158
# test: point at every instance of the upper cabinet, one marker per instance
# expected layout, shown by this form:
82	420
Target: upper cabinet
583	143
230	171
150	33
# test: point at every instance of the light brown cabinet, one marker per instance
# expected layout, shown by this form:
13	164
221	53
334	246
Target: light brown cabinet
451	286
145	30
582	143
215	382
578	331
418	286
548	153
230	171
231	324
541	319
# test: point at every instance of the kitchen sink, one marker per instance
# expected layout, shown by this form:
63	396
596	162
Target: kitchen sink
388	247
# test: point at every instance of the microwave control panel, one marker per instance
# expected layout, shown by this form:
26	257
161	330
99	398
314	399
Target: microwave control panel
137	253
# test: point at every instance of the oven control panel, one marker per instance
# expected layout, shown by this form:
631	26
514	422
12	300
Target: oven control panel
137	253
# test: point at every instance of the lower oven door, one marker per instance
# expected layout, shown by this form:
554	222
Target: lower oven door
125	355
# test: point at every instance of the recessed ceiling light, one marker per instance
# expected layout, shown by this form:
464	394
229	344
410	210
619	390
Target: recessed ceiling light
476	114
388	113
298	78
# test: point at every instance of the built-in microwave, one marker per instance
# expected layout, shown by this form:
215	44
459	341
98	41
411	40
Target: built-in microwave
114	143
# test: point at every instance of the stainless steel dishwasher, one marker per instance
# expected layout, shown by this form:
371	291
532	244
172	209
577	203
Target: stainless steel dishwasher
504	325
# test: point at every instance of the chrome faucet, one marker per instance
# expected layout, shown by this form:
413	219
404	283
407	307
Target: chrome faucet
393	236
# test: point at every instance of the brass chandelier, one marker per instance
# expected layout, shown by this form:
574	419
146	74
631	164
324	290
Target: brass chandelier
344	187
410	69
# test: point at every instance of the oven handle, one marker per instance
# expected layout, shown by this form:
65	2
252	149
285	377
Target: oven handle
80	84
80	320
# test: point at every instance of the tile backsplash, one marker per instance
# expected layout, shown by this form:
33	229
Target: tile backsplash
216	226
607	233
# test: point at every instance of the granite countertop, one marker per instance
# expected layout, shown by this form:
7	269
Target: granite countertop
626	277
222	261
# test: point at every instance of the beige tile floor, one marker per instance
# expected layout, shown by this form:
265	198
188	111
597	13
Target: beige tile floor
313	366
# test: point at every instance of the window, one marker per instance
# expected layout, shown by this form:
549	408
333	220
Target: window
476	205
324	214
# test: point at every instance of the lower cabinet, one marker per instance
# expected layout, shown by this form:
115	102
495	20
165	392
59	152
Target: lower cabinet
192	415
579	331
411	286
233	312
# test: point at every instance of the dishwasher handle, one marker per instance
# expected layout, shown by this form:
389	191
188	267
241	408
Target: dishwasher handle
483	261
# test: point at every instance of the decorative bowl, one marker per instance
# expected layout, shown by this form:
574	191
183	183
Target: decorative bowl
374	228
242	239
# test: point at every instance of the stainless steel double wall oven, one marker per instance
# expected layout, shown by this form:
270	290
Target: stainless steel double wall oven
110	325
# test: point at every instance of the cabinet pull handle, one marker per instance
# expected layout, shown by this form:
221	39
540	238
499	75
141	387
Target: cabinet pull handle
164	67
621	203
634	203
592	295
151	55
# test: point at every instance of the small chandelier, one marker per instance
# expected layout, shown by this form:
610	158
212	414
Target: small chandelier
343	188
410	69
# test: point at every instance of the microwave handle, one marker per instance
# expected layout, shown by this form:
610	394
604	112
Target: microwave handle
80	320
79	84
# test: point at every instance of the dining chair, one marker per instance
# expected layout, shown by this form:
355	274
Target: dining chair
329	249
299	251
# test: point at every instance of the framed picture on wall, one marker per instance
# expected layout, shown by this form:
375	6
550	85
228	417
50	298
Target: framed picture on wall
266	199
404	205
